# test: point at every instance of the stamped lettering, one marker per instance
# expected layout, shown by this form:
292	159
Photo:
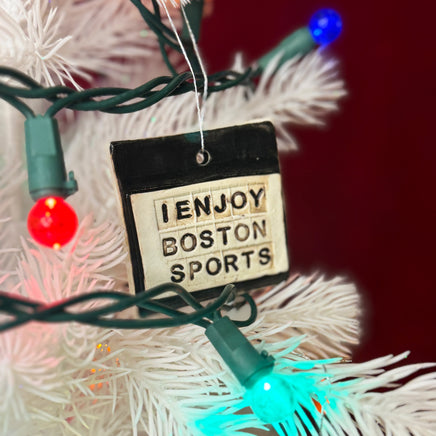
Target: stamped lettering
213	232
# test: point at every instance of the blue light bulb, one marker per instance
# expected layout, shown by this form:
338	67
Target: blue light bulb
271	399
325	26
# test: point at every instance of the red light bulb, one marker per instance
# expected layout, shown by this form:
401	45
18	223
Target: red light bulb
52	222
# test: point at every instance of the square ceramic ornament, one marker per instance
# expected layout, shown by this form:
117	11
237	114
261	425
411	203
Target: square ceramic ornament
203	220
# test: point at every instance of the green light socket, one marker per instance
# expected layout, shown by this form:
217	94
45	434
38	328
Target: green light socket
45	160
246	363
299	42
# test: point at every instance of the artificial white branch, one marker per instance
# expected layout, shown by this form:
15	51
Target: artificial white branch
326	311
59	41
376	404
76	379
345	399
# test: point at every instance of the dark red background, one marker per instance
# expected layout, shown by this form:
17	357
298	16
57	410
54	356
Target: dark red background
360	193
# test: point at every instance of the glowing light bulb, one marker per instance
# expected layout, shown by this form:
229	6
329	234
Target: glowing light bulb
271	399
325	26
52	222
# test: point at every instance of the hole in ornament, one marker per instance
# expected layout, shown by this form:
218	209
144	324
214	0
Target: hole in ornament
202	157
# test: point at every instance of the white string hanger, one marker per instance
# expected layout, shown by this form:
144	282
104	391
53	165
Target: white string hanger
202	156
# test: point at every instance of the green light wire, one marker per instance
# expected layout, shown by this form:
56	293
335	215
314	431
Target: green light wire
19	105
253	312
150	92
28	310
25	310
111	104
228	78
155	24
162	42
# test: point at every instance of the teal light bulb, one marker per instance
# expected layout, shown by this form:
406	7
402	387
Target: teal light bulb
271	399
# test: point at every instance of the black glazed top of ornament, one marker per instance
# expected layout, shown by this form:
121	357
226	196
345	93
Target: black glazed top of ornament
157	163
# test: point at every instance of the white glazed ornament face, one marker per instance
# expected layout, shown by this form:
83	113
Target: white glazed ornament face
217	232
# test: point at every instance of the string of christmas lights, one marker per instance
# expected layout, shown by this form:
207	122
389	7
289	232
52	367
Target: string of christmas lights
293	401
275	397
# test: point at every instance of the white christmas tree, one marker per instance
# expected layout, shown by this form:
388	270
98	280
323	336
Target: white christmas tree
77	379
